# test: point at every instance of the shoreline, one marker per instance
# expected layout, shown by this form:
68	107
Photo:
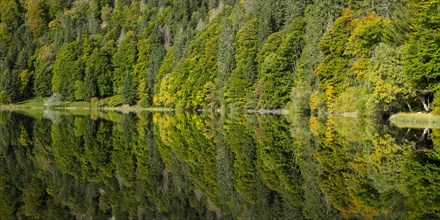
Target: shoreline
90	108
134	109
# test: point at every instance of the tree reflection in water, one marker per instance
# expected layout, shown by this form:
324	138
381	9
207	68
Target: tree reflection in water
203	166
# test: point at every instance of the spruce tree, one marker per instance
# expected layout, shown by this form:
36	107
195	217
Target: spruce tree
129	90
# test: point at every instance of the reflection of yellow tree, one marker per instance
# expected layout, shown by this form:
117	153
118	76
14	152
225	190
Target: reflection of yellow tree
243	147
191	140
341	181
367	173
105	168
171	168
333	158
275	158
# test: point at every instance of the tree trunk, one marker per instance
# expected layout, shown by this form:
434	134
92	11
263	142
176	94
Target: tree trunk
425	135
425	104
409	106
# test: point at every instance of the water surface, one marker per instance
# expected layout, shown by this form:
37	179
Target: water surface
67	165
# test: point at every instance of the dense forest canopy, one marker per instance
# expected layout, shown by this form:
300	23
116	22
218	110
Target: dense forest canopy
373	57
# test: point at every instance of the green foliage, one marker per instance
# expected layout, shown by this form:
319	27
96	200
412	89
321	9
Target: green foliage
44	60
318	18
242	77
361	57
391	86
277	63
366	33
25	84
116	100
10	15
79	90
335	39
8	85
303	55
198	69
102	69
142	71
180	164
436	104
422	63
90	87
226	52
129	90
66	71
36	18
354	99
332	71
123	60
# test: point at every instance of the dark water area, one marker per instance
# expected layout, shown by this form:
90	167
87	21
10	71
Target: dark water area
58	165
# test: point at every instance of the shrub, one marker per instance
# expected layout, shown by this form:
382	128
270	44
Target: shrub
94	101
435	105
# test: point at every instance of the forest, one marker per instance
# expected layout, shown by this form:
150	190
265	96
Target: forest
373	57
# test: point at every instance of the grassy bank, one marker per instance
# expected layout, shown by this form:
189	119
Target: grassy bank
58	115
38	104
114	104
416	120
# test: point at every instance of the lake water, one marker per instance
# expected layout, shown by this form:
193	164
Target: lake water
80	165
